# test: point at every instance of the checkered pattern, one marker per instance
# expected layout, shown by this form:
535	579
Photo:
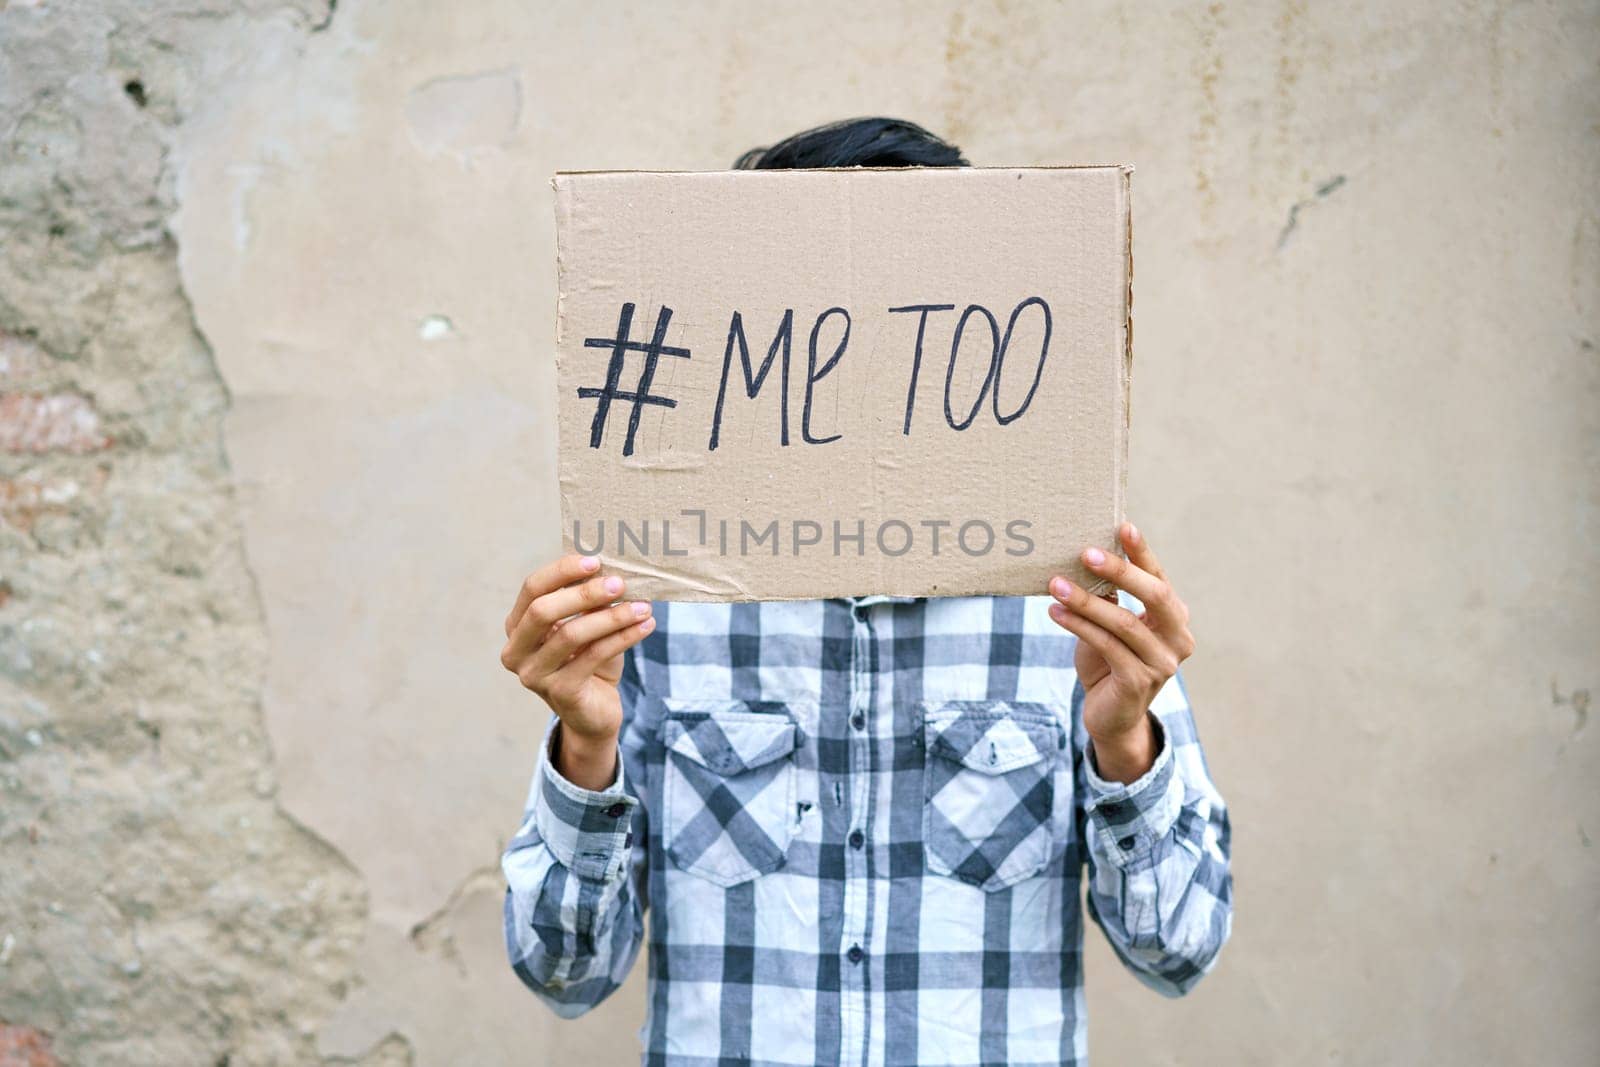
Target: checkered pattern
861	831
728	789
990	789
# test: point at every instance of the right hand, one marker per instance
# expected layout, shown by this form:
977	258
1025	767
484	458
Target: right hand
565	637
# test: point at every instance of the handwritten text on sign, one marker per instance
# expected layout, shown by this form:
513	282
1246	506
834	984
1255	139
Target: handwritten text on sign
824	383
828	342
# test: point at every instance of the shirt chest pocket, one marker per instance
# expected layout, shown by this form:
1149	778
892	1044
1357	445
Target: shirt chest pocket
728	787
997	789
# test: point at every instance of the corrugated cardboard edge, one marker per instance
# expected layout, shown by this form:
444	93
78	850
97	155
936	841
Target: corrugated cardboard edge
563	210
1119	457
1125	208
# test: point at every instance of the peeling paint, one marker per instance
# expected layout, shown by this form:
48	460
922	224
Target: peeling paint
130	636
465	114
436	328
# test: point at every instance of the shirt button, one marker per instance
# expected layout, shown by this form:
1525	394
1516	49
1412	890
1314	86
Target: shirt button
854	955
859	721
1126	844
857	838
617	810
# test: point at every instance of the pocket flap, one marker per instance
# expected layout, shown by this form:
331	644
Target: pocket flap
992	737
729	740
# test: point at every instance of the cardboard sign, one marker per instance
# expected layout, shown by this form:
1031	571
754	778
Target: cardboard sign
797	384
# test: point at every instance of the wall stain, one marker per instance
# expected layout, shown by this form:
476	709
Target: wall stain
1495	67
1286	80
958	86
1580	285
733	76
1207	70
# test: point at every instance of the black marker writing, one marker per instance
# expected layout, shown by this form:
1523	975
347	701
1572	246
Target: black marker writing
819	364
916	359
640	395
988	374
813	375
1005	346
754	381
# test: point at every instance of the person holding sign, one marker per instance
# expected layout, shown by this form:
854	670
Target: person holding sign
858	830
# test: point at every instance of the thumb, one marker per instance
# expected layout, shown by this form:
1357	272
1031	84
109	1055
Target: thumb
610	670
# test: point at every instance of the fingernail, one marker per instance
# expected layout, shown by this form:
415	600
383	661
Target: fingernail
1094	557
1061	587
589	563
613	585
641	607
647	625
1057	611
1133	534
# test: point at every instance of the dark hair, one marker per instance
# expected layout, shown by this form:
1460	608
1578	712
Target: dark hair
874	142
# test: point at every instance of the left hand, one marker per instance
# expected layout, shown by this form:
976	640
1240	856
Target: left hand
1123	659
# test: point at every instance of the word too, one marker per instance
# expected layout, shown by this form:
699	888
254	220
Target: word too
974	319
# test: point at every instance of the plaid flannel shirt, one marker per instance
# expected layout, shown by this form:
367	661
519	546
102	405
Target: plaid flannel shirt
859	829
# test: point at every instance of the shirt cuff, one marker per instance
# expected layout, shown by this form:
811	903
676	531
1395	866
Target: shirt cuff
589	832
1130	819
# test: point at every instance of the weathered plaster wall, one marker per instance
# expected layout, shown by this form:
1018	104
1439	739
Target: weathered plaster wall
1365	438
156	905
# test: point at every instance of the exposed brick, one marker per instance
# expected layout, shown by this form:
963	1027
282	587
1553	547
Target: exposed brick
131	629
58	422
24	1046
23	500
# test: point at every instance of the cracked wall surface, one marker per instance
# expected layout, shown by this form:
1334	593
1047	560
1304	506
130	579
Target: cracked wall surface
156	904
276	311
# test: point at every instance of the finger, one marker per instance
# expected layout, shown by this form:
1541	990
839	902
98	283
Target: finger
1139	551
578	633
1121	623
1118	656
1155	593
545	615
590	660
552	576
1091	665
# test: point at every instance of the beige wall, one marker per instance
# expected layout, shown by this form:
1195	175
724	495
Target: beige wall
1365	404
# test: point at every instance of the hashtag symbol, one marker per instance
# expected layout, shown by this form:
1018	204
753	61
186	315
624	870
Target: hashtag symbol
620	345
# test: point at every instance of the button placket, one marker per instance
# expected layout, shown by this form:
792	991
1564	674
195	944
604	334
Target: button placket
857	895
